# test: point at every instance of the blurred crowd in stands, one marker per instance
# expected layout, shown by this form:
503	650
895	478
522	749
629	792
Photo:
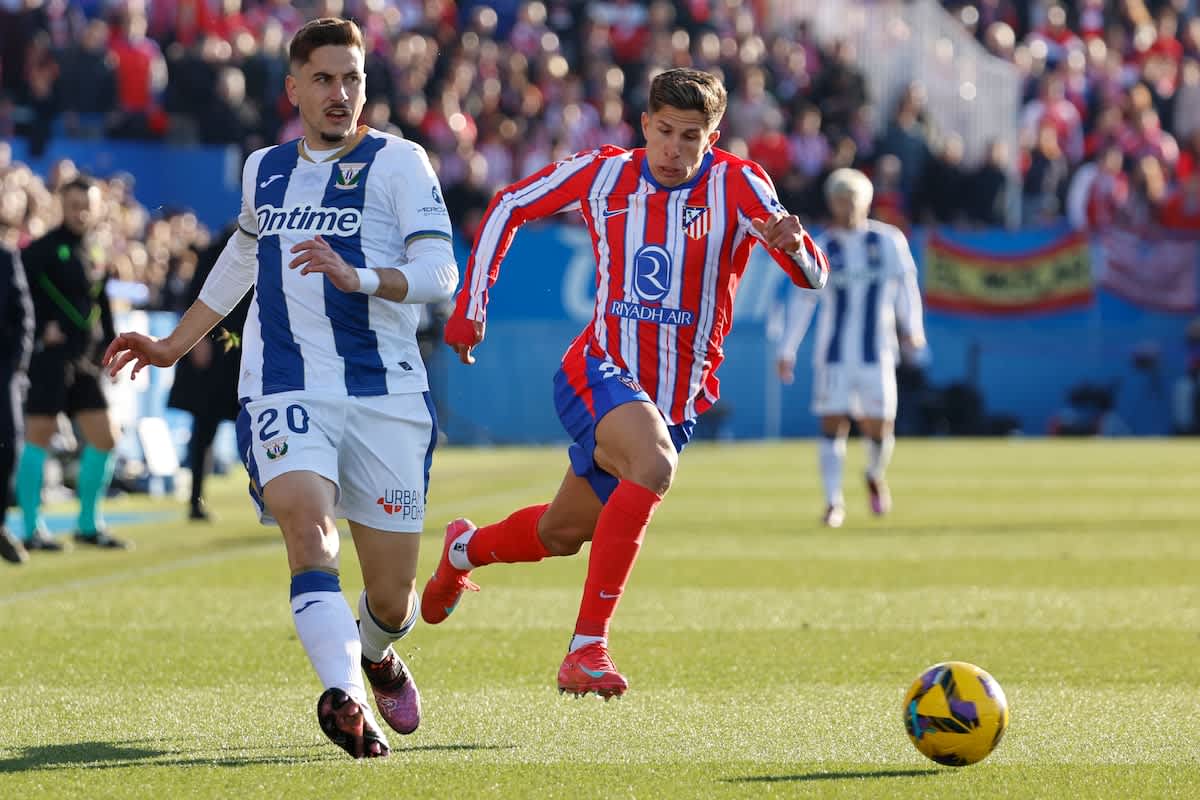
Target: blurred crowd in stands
1109	130
150	259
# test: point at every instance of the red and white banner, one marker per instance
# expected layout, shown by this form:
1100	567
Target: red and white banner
1152	269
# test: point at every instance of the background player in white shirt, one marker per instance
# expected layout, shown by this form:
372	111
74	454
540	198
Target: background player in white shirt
870	313
344	236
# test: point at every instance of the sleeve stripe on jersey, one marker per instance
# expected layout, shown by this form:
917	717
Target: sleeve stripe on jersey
766	194
493	231
248	233
428	234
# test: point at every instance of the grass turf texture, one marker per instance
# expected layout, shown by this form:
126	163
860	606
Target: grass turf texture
767	655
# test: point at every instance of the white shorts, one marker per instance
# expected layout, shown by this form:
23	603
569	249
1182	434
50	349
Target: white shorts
861	392
376	450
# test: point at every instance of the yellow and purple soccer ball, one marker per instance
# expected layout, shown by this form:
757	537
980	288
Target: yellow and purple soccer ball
955	713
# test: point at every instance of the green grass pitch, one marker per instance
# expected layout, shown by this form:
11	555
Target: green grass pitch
767	656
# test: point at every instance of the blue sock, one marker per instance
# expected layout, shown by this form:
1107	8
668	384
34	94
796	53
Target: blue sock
29	486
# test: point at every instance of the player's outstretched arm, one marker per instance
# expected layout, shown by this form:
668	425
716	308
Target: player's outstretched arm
789	244
555	188
909	316
147	351
798	311
231	277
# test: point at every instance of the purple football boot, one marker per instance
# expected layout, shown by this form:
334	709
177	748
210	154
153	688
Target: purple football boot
396	694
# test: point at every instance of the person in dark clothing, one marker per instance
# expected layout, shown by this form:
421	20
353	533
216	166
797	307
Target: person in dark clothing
229	118
206	380
943	186
73	321
468	199
87	82
839	89
16	341
987	192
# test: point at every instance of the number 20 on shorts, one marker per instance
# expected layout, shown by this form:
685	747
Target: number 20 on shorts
295	415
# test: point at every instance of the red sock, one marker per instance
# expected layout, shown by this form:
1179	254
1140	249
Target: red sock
615	546
512	540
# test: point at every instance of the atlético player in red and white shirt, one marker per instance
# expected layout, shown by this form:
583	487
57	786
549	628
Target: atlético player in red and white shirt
672	226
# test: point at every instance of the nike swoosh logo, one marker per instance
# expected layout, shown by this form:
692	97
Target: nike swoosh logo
269	181
595	673
301	609
606	596
614	212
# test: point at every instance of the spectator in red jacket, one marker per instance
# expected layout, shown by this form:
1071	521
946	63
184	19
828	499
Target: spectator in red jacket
141	77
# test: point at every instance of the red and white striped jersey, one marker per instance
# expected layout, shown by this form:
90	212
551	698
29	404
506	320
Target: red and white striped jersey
668	260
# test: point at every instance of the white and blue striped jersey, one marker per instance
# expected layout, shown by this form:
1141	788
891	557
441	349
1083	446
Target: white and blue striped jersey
872	291
371	201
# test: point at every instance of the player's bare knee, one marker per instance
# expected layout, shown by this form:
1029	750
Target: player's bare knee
563	540
393	606
105	441
40	429
656	471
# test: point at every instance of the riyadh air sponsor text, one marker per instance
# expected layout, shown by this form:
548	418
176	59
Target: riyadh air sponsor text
656	314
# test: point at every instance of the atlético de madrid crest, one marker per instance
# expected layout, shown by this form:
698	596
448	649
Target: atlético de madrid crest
695	221
348	175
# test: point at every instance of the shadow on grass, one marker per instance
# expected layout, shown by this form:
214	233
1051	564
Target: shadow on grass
452	747
111	755
836	776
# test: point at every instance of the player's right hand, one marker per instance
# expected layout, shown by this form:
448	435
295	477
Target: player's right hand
142	350
786	369
463	335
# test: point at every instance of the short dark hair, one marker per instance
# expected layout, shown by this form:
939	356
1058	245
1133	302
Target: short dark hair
81	182
320	32
689	90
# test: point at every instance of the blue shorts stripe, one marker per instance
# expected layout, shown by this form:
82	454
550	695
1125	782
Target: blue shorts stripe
315	581
433	437
245	447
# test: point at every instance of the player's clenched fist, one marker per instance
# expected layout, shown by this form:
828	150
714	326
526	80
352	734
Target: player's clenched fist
463	335
781	230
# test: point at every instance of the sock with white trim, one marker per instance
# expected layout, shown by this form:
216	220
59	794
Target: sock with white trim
376	637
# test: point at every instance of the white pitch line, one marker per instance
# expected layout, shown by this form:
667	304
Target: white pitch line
142	572
202	560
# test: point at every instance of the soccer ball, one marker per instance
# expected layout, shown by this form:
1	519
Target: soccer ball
955	713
